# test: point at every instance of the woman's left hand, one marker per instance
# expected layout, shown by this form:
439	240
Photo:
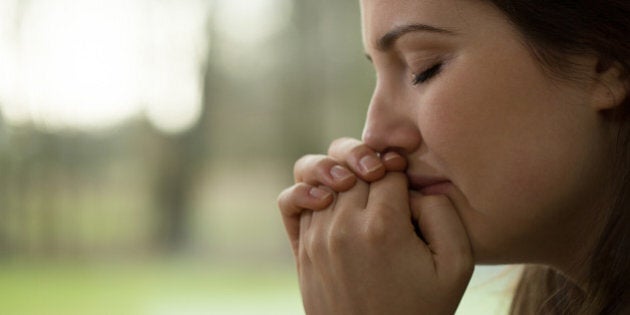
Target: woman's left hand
362	255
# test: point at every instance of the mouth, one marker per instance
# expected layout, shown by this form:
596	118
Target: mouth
427	185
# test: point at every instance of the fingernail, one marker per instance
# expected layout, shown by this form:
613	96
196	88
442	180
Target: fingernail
370	163
319	193
389	156
340	173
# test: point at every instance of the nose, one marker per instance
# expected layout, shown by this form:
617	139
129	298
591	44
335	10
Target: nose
391	123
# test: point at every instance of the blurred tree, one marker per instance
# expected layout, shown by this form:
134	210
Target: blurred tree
181	161
328	80
70	191
303	116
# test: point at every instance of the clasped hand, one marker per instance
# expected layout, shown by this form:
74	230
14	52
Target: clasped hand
350	219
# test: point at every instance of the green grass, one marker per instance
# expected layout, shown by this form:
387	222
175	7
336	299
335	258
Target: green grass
146	289
183	289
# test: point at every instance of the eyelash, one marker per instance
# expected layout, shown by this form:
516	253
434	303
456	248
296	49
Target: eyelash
427	74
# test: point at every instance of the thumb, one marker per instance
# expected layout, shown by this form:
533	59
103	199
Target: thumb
444	234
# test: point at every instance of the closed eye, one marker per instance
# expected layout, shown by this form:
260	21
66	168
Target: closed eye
427	74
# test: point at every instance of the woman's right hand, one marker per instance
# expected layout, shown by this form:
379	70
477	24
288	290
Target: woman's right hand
318	177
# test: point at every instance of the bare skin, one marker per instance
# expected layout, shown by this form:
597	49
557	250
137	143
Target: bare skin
471	139
353	255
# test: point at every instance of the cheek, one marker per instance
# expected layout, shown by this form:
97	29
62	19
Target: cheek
514	148
493	124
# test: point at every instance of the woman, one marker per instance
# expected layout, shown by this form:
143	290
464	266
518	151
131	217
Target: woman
497	134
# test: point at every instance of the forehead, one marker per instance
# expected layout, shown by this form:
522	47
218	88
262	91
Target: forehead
462	16
378	16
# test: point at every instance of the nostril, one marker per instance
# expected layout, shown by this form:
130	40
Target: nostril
390	127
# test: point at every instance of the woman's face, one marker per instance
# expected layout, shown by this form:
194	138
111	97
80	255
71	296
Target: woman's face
460	94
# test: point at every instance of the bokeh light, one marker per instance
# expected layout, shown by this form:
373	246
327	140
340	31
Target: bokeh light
250	22
93	64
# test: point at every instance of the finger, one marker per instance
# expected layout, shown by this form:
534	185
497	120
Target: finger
390	195
316	236
362	160
393	161
294	200
301	196
444	233
297	245
323	170
352	200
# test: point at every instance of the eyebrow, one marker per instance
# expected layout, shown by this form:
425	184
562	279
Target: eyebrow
388	40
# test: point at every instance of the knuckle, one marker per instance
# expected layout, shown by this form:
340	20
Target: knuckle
375	231
339	143
284	198
292	198
339	238
343	147
324	164
314	245
359	150
313	168
303	160
303	164
384	212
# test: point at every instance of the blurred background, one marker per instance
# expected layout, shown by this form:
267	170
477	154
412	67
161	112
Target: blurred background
143	144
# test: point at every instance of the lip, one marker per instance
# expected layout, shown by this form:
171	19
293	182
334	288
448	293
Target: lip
429	185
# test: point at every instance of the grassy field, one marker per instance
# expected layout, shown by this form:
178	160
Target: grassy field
180	289
152	289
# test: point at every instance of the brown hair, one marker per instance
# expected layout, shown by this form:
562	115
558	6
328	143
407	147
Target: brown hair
555	29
